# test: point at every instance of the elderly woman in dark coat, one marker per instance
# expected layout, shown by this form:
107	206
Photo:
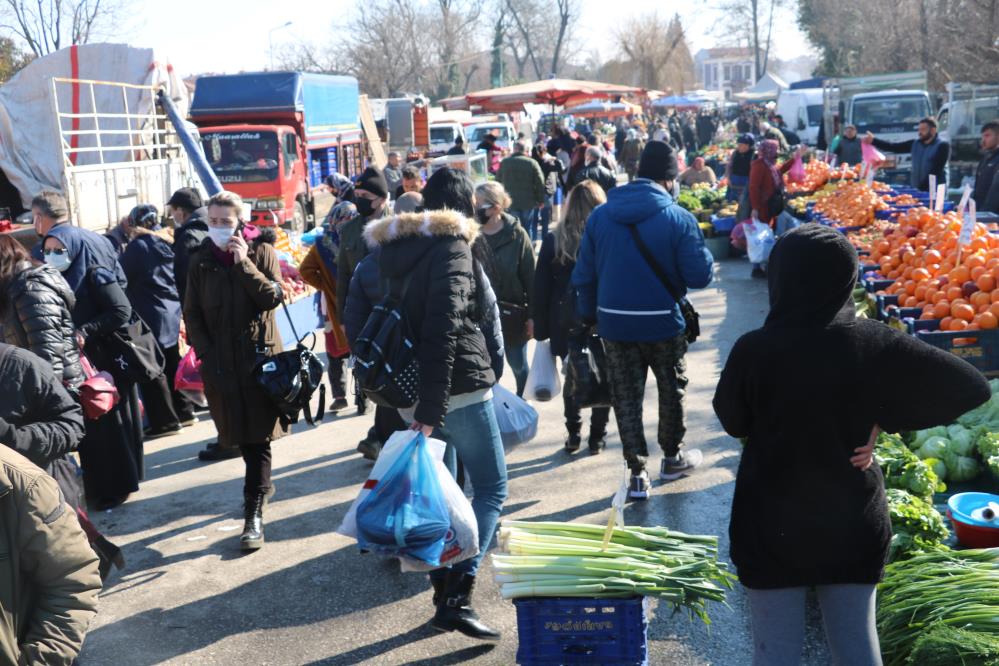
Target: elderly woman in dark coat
232	291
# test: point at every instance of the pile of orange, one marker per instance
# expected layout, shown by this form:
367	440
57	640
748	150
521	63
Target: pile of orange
816	175
921	256
845	172
902	200
852	204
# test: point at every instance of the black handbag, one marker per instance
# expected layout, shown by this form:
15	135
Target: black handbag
290	378
776	202
130	354
513	320
690	316
586	371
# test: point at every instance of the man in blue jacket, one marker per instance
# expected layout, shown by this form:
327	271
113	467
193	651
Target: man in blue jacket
639	321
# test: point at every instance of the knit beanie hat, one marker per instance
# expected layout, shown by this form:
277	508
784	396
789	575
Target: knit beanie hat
658	162
373	181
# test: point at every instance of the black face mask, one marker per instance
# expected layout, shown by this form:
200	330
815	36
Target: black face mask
364	207
482	215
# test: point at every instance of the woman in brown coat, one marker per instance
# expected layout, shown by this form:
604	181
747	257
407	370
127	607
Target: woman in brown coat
229	308
319	270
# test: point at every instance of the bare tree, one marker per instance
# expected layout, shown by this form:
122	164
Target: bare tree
656	48
49	25
542	33
455	19
750	23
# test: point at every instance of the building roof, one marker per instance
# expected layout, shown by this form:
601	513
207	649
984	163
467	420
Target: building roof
728	52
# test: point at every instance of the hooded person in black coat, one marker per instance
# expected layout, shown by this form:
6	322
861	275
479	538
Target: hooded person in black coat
806	512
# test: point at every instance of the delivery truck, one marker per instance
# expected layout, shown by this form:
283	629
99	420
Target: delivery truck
274	137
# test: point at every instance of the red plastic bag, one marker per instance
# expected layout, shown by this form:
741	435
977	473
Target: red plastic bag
98	394
738	235
796	174
872	155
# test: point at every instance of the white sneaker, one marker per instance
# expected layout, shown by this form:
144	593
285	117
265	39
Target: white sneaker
674	468
639	487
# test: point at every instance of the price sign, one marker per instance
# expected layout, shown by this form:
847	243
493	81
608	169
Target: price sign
969	225
870	175
941	197
933	189
964	199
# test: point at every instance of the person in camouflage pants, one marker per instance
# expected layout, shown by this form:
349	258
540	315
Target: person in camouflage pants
628	364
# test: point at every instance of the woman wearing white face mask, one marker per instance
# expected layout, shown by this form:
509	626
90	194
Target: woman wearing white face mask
111	453
231	294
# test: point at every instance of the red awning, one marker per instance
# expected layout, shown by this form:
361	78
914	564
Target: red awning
555	92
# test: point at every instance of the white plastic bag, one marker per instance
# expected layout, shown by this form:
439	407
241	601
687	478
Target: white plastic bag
543	382
518	421
759	242
462	540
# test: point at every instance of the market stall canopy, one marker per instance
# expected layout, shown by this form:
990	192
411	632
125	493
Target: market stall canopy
599	109
766	89
553	92
677	101
454	103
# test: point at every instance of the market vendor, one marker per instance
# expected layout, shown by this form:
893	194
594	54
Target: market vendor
930	153
698	173
847	147
737	169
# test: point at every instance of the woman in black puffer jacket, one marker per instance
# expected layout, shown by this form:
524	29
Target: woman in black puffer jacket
445	307
35	306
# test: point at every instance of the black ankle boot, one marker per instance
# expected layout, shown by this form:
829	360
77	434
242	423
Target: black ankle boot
253	527
573	442
597	443
440	585
455	610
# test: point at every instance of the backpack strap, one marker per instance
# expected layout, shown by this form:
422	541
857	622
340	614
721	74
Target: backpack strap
643	249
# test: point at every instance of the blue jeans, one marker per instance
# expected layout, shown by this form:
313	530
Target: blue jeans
542	217
473	436
525	217
516	358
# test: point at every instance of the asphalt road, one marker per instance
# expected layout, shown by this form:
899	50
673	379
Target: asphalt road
188	596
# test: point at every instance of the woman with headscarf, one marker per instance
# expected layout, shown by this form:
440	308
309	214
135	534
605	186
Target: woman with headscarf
738	167
319	270
809	508
111	452
766	189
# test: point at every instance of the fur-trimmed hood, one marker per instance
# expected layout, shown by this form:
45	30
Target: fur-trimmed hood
428	224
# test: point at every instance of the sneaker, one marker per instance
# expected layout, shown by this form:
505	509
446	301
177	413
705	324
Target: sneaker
369	448
188	420
673	468
165	431
339	405
639	487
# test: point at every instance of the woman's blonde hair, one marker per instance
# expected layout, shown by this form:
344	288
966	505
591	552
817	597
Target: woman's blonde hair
582	199
492	193
229	200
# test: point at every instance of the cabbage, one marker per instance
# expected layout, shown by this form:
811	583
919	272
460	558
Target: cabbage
934	447
938	467
923	435
919	479
961	440
993	463
961	468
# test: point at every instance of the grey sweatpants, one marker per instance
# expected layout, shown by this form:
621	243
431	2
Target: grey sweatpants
847	613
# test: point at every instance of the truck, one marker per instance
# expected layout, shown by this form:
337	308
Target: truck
274	137
87	121
802	111
887	105
407	121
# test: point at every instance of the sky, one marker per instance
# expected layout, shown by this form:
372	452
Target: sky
226	36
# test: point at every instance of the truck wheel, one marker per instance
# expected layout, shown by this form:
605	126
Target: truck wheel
297	223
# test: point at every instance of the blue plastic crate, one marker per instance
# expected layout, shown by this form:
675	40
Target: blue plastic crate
979	348
562	631
723	225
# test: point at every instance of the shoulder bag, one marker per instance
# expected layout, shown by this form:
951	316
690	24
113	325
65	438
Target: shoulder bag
130	354
690	315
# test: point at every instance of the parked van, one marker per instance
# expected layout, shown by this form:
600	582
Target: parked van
505	134
802	111
444	134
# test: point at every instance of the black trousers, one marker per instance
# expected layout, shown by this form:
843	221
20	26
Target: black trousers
158	403
257	458
181	405
337	376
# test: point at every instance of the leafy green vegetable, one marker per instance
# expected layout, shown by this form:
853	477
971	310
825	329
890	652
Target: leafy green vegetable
923	435
961	441
689	200
938	467
916	525
944	645
920	480
961	468
993	464
904	470
988	444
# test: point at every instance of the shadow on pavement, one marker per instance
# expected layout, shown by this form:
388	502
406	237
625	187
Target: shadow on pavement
414	635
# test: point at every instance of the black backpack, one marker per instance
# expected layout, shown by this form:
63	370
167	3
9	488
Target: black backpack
290	378
385	364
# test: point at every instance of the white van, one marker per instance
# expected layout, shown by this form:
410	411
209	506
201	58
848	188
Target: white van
443	135
802	111
505	134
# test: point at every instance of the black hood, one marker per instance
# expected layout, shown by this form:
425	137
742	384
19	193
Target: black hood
812	273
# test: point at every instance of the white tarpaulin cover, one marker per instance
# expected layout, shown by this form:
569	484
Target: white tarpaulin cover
31	154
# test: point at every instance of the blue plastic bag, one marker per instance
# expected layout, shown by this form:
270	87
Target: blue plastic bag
406	513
